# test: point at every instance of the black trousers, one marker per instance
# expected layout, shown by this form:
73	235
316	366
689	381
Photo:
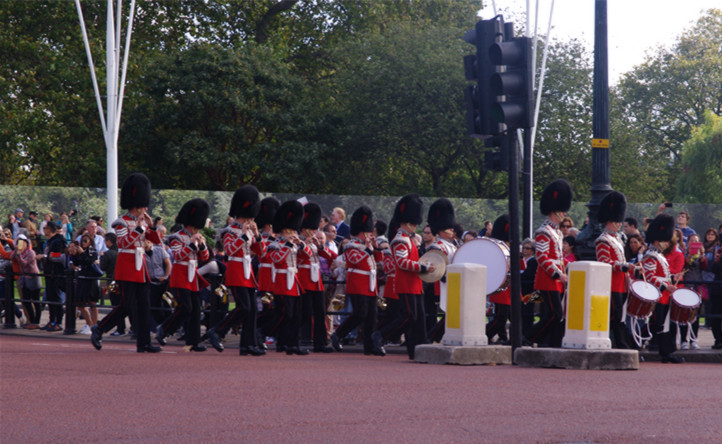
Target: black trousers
364	312
715	320
34	309
134	301
314	311
618	329
665	341
188	310
245	313
286	321
411	321
498	325
550	325
157	312
52	294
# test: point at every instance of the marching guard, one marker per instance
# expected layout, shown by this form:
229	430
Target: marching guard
441	220
610	250
551	274
656	272
188	247
309	274
360	282
241	241
131	271
264	221
501	299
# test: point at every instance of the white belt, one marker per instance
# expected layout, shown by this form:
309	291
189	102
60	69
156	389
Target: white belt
315	270
246	264
192	265
371	274
139	252
290	276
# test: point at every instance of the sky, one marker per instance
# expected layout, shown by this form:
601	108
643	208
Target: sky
634	26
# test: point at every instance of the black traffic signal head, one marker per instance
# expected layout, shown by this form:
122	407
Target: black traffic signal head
514	84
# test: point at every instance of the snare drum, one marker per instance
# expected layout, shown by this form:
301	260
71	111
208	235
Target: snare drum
642	298
683	308
492	253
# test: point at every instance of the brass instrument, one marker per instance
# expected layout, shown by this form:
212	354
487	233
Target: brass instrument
111	288
381	302
533	297
338	302
222	292
267	298
170	299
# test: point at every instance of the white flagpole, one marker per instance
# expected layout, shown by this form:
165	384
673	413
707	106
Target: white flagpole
112	105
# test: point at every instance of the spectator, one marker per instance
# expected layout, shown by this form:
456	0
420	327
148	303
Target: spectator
469	236
66	226
338	217
54	269
47	218
159	268
29	281
84	260
568	244
695	261
634	248
427	238
91	230
488	226
630	226
683	225
99	225
715	297
711	244
324	221
107	264
11	225
528	272
566	224
31	225
18	222
330	231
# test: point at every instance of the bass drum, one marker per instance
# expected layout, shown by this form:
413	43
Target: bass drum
492	253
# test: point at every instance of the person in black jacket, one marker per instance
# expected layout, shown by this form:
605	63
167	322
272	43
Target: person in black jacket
529	266
54	268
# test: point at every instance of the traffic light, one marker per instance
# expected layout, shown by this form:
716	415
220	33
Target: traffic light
497	159
513	83
479	68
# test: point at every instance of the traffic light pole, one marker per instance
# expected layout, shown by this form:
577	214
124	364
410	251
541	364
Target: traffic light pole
511	146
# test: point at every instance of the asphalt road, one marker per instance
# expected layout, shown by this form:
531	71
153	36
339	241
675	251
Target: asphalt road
62	390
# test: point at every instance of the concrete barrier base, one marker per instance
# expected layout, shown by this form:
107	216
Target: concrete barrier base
577	359
463	355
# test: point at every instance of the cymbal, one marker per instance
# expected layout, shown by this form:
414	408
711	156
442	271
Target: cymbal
439	259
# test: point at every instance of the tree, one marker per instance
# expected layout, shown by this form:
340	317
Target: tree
701	160
666	96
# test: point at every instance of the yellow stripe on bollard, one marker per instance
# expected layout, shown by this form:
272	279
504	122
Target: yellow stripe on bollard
599	316
453	300
575	307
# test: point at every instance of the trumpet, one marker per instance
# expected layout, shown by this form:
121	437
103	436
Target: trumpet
222	292
170	299
267	298
382	303
338	302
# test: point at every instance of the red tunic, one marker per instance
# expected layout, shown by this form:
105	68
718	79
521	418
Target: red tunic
656	272
550	258
360	268
265	265
130	265
186	256
406	258
240	246
611	251
390	272
284	255
309	266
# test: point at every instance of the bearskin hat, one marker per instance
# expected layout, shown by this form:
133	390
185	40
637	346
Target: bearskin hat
194	213
557	196
393	228
135	192
267	211
311	216
362	220
409	209
441	216
381	228
288	217
501	228
245	202
661	229
612	208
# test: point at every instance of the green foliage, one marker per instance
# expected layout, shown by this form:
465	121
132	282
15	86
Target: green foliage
701	179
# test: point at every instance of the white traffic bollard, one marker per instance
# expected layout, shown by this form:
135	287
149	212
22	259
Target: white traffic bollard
587	306
465	305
